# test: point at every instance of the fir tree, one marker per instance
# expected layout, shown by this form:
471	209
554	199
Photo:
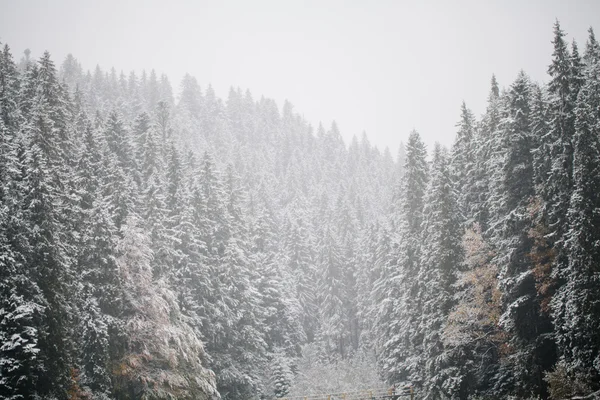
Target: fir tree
47	259
522	318
9	89
575	306
562	88
332	297
441	259
398	285
463	163
21	302
483	151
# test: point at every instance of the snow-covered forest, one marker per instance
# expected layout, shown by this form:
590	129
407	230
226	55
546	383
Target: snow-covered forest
168	244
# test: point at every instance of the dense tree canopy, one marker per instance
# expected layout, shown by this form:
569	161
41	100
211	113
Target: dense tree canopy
155	246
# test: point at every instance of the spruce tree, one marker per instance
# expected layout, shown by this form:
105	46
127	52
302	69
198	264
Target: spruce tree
332	292
522	318
302	269
441	259
483	152
47	260
9	89
396	317
21	301
563	87
575	306
463	164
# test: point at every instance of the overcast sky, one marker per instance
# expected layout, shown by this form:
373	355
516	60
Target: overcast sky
384	67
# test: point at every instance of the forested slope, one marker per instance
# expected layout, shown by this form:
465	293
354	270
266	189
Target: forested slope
191	248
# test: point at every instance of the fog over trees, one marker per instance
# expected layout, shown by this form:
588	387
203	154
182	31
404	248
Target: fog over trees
164	243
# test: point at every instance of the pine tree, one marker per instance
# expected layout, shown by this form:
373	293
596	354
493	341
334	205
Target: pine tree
592	48
301	267
100	298
118	188
332	297
373	254
399	312
540	134
163	120
575	306
71	71
192	272
463	164
522	318
49	263
166	91
483	152
191	96
119	144
563	86
441	259
153	200
9	89
51	95
414	183
141	128
95	376
281	376
281	308
21	301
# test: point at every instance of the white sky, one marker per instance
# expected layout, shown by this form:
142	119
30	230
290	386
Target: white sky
384	67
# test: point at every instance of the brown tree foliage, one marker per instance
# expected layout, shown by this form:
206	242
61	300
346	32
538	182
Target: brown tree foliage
474	319
542	256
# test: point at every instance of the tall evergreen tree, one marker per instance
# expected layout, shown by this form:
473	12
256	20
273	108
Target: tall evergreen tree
301	262
463	163
21	301
483	152
397	316
332	295
576	304
9	89
49	263
441	259
531	350
563	87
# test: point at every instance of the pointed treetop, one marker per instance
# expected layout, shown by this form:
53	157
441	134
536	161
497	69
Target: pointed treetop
560	67
401	152
575	57
414	181
592	49
288	109
466	123
494	91
47	69
574	49
364	138
210	92
46	55
522	76
560	46
7	53
577	69
320	130
437	153
557	29
334	129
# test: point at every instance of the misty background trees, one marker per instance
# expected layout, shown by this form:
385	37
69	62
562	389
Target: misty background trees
159	246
